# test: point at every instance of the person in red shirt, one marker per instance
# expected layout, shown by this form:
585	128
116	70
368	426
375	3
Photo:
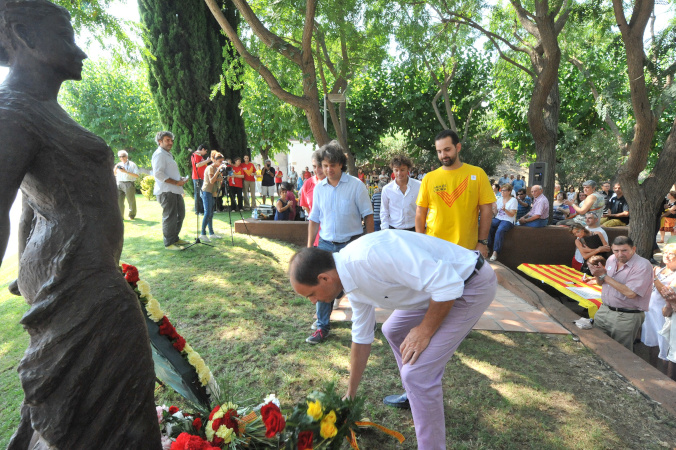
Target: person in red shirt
308	189
249	183
360	175
278	178
307	174
235	184
199	164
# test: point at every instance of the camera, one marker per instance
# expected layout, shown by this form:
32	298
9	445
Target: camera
226	171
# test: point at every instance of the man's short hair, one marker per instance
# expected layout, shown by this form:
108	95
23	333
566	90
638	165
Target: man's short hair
521	191
590	183
122	153
201	147
448	133
623	240
333	153
308	263
316	158
401	160
162	134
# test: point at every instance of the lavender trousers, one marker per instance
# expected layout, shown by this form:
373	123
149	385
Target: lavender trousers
422	380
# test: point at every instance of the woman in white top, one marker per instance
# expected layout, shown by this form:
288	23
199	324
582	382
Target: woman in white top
660	311
504	211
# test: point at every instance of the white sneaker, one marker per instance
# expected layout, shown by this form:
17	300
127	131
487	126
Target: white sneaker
215	236
203	237
494	256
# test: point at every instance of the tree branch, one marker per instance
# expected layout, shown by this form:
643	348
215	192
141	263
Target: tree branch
270	39
254	61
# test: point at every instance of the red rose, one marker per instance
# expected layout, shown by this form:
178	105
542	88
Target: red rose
274	423
267	408
179	344
215	425
305	440
173	409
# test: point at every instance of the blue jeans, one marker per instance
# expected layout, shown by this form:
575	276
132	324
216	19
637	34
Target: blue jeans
537	223
208	201
324	309
497	234
199	207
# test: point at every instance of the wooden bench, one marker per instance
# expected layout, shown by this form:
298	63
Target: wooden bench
546	245
293	232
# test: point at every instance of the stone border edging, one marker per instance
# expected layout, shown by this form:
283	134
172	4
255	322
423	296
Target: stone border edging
647	379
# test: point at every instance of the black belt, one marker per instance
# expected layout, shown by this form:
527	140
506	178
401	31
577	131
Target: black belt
479	264
356	236
625	310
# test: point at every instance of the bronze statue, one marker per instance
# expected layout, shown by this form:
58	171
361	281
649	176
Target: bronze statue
87	374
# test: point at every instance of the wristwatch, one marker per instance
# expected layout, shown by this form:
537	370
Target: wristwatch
602	277
483	241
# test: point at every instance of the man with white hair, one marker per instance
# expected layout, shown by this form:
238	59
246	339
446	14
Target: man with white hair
538	215
126	172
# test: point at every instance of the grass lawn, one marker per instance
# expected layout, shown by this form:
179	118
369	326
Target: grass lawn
234	305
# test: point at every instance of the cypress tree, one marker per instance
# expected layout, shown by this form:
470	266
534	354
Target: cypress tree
185	59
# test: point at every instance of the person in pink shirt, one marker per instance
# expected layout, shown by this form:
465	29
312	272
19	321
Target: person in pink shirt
306	192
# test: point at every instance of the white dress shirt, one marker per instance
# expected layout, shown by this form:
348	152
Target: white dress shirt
397	209
129	166
340	209
164	167
396	269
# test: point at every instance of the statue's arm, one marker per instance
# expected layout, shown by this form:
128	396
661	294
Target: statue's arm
17	151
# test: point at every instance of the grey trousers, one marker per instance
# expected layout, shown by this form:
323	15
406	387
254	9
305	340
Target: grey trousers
173	213
126	189
249	192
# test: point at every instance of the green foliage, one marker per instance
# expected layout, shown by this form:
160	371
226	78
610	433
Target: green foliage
114	102
148	186
579	157
185	57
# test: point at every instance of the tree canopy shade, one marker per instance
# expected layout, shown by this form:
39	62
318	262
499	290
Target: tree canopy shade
114	102
186	56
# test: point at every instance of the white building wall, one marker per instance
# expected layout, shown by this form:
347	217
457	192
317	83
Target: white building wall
299	156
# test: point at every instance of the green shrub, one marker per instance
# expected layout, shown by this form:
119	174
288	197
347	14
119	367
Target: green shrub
147	186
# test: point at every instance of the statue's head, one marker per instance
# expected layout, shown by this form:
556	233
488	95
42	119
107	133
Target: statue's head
39	31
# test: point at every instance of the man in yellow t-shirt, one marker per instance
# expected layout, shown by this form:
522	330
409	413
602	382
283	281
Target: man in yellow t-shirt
452	196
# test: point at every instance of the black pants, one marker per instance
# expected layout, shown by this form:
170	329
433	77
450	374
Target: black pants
236	191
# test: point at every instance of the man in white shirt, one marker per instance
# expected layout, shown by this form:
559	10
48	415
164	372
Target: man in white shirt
339	203
126	172
438	290
397	200
169	191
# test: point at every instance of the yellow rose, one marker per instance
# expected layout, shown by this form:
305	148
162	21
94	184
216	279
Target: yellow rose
330	417
218	414
143	287
327	430
154	311
188	349
224	433
314	410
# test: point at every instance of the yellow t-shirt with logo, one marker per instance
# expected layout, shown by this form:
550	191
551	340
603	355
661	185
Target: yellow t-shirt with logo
452	199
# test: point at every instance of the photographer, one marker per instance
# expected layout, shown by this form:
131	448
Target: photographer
126	172
199	164
213	178
225	168
268	183
235	184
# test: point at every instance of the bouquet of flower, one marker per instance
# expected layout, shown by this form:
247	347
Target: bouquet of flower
323	420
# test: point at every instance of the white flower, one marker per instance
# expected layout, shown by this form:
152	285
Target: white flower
166	442
143	287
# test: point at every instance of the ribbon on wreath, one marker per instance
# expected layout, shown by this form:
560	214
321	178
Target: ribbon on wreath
353	438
